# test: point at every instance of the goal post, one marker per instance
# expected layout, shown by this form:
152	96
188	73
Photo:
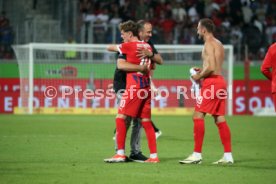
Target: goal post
85	68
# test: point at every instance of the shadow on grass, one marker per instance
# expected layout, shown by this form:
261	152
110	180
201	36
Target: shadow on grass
258	164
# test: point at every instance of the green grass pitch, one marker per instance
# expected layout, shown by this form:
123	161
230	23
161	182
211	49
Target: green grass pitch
70	150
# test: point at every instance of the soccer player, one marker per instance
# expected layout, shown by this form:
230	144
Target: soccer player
119	82
119	85
214	103
136	100
270	63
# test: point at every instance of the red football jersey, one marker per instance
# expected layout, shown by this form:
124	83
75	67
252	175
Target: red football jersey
268	67
135	79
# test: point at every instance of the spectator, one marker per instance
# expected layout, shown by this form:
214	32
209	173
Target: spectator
178	12
193	13
172	20
70	54
126	11
253	39
235	12
271	31
167	24
85	8
141	10
6	37
261	10
247	13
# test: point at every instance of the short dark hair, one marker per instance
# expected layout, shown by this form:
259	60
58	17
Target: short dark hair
208	24
141	24
129	26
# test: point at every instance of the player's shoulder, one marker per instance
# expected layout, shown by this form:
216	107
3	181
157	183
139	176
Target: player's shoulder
125	47
273	46
128	44
124	44
144	44
213	44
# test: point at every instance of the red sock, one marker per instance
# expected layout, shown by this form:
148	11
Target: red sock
120	133
150	136
198	134
225	135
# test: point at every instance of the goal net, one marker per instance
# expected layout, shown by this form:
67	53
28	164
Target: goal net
75	78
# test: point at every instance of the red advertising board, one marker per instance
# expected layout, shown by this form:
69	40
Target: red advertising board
257	96
79	93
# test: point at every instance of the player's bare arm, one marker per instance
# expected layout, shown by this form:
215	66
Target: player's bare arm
123	65
112	48
129	67
209	62
143	52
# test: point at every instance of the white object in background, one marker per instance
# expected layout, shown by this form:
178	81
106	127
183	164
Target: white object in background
195	85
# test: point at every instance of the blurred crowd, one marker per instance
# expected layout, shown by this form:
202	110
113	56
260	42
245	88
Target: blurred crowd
6	37
239	22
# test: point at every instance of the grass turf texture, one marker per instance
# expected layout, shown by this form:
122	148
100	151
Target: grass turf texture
71	149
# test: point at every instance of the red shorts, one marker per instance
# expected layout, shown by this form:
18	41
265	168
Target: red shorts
137	104
213	95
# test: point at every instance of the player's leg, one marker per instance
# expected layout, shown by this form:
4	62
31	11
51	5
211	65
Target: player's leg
150	134
135	136
128	122
121	130
118	99
145	115
135	141
199	130
128	107
225	136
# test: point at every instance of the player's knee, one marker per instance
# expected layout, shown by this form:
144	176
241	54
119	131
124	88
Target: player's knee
146	120
198	115
219	119
121	116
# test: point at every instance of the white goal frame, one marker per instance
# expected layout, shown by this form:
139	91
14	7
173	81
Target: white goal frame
101	48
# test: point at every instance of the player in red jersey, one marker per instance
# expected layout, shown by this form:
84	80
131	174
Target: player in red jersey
119	83
212	95
270	63
136	100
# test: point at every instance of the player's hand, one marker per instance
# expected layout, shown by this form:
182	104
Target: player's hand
143	52
196	77
197	69
145	68
110	88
